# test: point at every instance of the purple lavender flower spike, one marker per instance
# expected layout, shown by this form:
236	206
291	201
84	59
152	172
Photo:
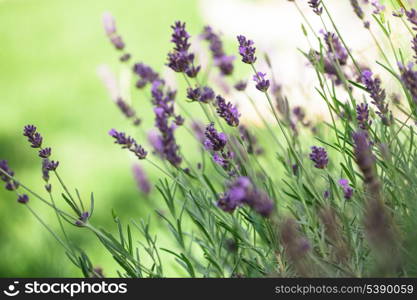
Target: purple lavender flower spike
181	60
109	25
129	143
51	165
364	157
347	190
319	156
315	5
409	78
412	17
262	84
241	192
221	60
357	9
379	8
373	87
146	75
141	179
362	112
34	138
246	49
227	111
204	94
125	108
215	141
335	49
10	185
23	199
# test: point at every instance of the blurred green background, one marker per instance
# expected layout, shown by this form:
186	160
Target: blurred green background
49	53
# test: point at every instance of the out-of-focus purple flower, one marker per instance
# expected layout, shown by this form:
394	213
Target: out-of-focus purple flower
315	5
198	129
163	100
181	60
357	9
240	85
250	140
319	156
111	31
146	75
362	115
347	190
327	63
215	140
129	143
241	192
399	12
141	179
412	17
246	49
379	8
335	49
156	141
409	78
223	61
373	87
10	185
205	94
299	113
125	108
34	138
364	157
326	194
23	199
227	111
262	84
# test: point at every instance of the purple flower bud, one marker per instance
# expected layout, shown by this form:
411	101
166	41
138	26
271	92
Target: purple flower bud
347	190
82	219
357	9
319	156
315	5
10	185
262	84
246	49
145	73
23	199
240	85
109	24
45	153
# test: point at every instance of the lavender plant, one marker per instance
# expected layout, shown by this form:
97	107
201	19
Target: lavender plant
296	198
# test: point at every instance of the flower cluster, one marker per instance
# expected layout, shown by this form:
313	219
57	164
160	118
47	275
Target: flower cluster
216	142
227	111
221	60
6	175
262	84
164	110
146	75
347	190
181	60
362	115
316	6
204	94
319	156
241	192
409	78
129	143
335	49
246	49
373	86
